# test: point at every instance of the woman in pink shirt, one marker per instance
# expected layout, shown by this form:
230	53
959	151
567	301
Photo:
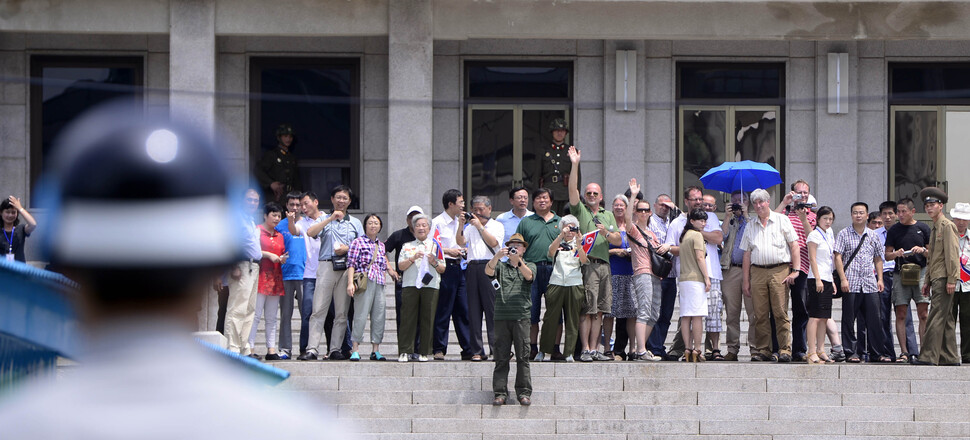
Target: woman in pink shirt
270	287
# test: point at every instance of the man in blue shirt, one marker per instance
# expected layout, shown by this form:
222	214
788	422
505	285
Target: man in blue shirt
241	307
519	200
292	271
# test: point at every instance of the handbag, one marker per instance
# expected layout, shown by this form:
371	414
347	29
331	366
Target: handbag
909	274
836	279
660	265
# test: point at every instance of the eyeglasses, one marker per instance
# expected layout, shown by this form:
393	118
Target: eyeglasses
588	193
643	209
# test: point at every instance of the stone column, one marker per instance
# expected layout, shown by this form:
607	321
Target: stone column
192	62
837	138
192	85
409	108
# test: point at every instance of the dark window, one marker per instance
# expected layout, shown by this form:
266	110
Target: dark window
929	83
64	87
734	82
519	80
319	99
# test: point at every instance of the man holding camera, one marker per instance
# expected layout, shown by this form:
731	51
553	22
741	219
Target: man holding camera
732	259
452	303
481	237
795	204
513	305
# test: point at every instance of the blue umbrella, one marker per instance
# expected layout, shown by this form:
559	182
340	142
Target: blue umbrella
736	176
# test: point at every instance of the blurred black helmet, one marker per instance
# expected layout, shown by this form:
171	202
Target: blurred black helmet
130	192
284	129
558	124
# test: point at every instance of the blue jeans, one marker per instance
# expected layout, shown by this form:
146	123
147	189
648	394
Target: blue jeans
452	306
540	283
306	309
655	343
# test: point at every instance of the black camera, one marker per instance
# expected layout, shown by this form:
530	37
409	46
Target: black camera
803	205
736	207
596	220
469	216
572	228
565	247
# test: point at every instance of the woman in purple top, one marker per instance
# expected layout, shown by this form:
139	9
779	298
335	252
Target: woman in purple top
367	255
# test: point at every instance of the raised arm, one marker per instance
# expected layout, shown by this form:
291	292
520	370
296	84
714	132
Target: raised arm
574	157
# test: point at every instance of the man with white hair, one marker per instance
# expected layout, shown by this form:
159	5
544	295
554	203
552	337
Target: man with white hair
766	268
481	237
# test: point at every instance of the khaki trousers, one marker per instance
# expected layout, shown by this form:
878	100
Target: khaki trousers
769	294
331	286
733	299
241	307
939	344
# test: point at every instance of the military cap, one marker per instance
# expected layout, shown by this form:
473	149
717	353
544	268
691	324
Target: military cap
558	124
932	194
284	129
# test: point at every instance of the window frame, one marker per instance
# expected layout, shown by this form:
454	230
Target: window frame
257	63
37	63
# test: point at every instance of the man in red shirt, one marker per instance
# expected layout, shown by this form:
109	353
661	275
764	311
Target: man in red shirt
795	204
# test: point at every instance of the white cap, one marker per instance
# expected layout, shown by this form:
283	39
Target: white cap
415	208
961	211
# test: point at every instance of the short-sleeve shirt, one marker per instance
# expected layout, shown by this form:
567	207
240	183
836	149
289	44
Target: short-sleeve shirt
964	243
769	243
477	249
270	274
295	265
904	237
802	236
861	273
676	227
341	231
362	257
396	241
510	222
410	277
689	269
513	301
601	248
539	233
17	236
312	245
566	269
447	227
825	243
250	234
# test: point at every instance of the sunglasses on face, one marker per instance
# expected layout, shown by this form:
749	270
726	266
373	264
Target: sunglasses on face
643	209
594	194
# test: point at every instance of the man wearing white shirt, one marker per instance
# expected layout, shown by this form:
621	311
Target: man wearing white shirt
480	237
452	304
519	199
664	211
312	215
713	237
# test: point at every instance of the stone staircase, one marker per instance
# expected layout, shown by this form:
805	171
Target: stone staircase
632	400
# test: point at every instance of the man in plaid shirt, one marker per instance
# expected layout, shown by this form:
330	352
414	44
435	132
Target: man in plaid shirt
862	278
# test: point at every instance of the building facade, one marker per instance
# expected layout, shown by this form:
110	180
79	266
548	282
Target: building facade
403	99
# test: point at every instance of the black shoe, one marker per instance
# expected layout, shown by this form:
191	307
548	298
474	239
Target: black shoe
784	358
499	401
337	356
308	356
673	357
272	357
758	357
533	353
525	401
254	356
466	357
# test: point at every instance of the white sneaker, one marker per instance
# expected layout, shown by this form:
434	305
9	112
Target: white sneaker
540	357
647	357
569	359
546	357
403	357
422	358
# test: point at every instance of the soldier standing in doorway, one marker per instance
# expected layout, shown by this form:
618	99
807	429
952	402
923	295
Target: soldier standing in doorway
554	166
277	170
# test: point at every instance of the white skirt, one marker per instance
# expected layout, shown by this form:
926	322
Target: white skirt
693	298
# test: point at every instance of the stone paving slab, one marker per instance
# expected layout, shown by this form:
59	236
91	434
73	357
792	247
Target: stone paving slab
773	398
694	412
484	426
893	429
637	398
354	383
542	409
694	384
409	411
770	427
588	427
839	386
766	370
824	414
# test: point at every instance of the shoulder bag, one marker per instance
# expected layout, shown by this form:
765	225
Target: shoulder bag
845	267
360	277
660	265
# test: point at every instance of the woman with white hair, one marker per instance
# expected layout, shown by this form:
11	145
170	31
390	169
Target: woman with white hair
422	274
565	294
623	309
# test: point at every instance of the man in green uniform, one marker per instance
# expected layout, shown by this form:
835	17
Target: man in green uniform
555	167
596	274
512	307
277	170
939	344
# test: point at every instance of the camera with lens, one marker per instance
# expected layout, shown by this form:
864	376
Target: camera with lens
572	228
736	207
565	247
513	251
796	197
803	205
469	216
496	285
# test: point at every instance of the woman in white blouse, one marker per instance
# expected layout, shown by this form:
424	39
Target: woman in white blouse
422	273
820	288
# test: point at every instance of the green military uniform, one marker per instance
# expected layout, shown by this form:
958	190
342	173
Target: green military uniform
939	345
554	169
278	165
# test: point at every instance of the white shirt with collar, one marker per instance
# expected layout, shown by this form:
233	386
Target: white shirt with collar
447	228
477	249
